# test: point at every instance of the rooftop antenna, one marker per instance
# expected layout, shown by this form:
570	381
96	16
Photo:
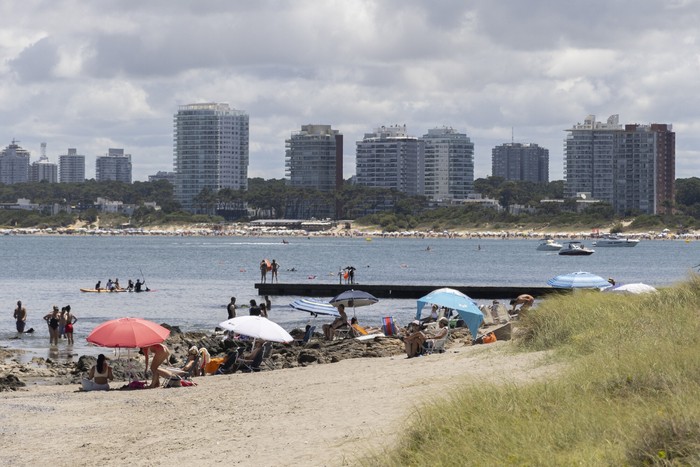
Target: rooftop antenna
512	139
43	150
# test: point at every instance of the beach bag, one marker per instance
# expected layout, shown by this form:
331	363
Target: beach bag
174	382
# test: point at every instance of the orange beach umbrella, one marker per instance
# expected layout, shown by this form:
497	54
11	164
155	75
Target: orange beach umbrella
128	333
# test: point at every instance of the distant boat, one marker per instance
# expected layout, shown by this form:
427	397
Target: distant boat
575	249
616	241
549	245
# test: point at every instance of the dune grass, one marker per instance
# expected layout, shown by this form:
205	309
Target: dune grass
630	394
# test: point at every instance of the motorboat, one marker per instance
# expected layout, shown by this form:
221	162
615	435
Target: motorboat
549	245
575	249
614	240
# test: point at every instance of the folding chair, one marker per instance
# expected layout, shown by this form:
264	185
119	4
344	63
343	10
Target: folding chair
341	332
389	327
307	336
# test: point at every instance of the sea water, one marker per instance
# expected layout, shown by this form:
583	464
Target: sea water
194	277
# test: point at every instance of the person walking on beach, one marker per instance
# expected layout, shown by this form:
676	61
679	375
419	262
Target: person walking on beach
231	308
70	321
52	319
263	271
20	316
275	267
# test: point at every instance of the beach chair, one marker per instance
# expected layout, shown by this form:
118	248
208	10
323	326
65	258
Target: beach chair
438	344
389	327
307	336
266	353
342	332
250	366
361	334
175	376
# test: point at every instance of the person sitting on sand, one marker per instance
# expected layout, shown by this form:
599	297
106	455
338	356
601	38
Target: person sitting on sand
525	301
339	322
161	353
414	339
99	376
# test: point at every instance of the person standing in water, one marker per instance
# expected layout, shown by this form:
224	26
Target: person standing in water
231	308
52	319
70	321
20	316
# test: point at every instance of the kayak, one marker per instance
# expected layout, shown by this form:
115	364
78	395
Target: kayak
102	290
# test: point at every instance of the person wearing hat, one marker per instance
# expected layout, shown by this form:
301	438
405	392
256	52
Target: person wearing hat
439	334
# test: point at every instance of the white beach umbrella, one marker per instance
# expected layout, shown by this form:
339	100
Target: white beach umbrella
635	288
257	327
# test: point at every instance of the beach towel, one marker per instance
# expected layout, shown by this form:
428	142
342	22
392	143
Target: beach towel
359	330
214	364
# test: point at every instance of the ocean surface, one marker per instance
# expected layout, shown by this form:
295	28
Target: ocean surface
194	277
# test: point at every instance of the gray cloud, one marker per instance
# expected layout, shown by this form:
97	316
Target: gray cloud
94	76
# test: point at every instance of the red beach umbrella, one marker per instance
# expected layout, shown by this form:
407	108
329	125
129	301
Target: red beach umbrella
128	333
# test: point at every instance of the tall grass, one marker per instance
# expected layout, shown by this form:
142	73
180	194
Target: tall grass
630	394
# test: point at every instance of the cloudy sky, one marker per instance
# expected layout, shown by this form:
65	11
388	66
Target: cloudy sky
100	74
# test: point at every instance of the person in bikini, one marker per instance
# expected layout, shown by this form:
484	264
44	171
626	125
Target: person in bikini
99	376
161	353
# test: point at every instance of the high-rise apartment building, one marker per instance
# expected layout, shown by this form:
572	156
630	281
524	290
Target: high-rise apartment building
210	150
446	170
14	164
314	158
115	166
43	170
389	158
632	167
521	162
71	167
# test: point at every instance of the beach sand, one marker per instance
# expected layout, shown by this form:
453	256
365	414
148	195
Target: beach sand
328	414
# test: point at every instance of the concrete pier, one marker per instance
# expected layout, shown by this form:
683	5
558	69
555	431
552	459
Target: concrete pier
402	291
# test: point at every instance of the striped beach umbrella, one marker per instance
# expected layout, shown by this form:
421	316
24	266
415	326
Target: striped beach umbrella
315	307
579	280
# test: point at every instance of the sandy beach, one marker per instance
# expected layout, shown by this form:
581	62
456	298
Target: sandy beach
329	414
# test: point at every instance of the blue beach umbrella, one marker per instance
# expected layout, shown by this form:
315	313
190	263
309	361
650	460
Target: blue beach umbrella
455	300
315	307
579	280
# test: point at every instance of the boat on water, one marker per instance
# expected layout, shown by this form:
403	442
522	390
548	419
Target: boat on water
103	290
575	249
615	241
549	245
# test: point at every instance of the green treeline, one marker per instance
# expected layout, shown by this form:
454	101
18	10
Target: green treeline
390	210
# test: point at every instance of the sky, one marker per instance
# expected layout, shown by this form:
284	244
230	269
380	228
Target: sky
105	74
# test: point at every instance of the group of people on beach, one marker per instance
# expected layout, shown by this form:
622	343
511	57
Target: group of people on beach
60	324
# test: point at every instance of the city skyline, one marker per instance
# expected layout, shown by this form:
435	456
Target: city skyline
490	69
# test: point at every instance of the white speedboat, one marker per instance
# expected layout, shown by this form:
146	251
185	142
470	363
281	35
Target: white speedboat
549	245
575	249
614	240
